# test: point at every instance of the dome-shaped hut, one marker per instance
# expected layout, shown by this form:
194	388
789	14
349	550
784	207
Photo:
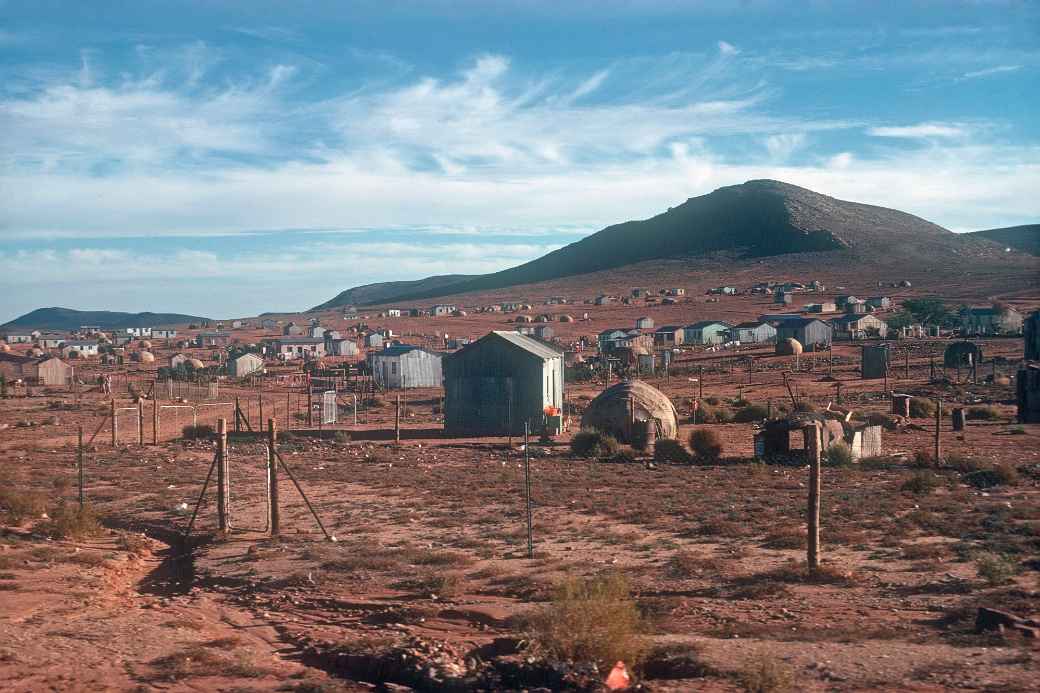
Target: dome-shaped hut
962	355
611	411
146	357
196	364
566	318
145	344
5	347
788	347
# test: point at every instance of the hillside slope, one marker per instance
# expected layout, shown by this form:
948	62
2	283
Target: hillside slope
760	218
1025	238
370	294
69	319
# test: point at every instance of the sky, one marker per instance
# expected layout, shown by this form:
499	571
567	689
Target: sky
228	158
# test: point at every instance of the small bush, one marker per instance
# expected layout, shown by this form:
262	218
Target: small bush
670	450
683	565
995	569
765	675
623	457
839	454
921	408
21	504
69	521
706	445
789	537
983	413
199	432
923	459
998	475
341	437
965	464
751	413
804	406
920	484
590	620
593	443
709	413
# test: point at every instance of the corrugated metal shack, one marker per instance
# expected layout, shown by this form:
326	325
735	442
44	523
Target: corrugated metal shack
495	384
403	366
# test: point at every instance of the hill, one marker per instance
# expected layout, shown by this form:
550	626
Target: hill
760	218
1025	238
69	319
371	294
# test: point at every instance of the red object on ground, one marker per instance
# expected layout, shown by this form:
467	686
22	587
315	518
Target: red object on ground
618	680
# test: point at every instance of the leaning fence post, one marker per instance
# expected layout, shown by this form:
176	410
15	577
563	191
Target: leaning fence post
79	463
114	424
222	476
272	471
813	523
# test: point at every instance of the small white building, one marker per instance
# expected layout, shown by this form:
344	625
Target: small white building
163	333
374	341
246	364
139	331
443	309
644	323
289	348
82	348
19	338
342	347
406	366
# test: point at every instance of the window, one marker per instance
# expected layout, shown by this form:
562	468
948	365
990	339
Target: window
393	368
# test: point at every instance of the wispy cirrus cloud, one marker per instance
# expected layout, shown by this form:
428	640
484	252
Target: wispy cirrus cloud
990	71
920	131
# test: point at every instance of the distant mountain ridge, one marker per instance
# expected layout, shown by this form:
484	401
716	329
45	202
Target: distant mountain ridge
1025	238
65	319
371	294
759	218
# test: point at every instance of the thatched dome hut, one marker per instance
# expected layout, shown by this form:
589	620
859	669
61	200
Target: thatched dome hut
146	357
788	347
610	411
196	364
145	344
566	318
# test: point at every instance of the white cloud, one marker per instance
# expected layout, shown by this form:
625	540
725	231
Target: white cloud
999	69
920	131
782	146
727	48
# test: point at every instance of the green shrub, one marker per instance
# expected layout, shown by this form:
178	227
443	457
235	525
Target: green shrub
623	456
670	450
920	484
199	432
995	569
751	413
593	443
706	445
590	620
839	454
997	475
923	459
765	674
708	413
921	408
983	413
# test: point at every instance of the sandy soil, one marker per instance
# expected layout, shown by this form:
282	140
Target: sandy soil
428	582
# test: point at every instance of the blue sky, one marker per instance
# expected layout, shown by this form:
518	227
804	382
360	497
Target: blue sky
229	158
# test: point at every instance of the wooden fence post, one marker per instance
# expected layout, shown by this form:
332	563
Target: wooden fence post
813	521
114	424
938	430
272	471
140	422
155	422
79	463
397	421
222	475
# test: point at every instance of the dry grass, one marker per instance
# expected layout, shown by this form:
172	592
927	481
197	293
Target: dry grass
198	661
765	674
69	521
590	620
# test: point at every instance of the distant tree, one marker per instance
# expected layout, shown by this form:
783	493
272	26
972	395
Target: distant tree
927	311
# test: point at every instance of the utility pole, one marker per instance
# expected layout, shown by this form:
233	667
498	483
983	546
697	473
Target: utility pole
527	490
